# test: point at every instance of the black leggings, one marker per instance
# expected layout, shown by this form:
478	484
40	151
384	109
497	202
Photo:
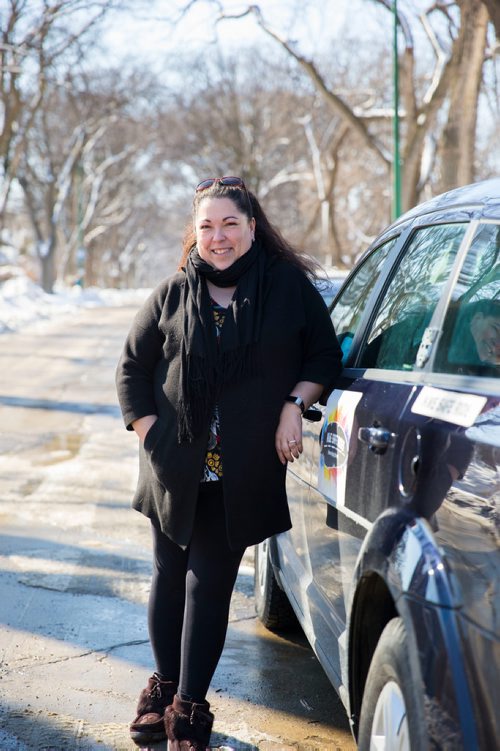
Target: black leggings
190	596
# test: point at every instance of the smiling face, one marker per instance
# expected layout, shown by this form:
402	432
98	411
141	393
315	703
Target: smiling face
223	232
486	332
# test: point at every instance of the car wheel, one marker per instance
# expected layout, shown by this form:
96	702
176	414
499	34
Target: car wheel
391	716
271	603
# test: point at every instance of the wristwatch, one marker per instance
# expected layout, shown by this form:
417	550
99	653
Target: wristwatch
296	400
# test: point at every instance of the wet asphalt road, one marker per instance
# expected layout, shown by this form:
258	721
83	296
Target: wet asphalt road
75	563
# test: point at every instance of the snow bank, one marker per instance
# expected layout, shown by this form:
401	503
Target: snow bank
23	302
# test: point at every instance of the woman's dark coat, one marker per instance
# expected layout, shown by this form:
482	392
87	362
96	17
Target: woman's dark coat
298	343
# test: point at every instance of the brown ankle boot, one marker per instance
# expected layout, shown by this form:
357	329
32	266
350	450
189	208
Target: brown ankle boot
148	726
188	725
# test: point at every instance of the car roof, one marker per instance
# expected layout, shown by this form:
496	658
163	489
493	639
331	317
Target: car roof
481	200
482	194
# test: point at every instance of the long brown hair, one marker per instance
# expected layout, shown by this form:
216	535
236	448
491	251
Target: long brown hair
271	238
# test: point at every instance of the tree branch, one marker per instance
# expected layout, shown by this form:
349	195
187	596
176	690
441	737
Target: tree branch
339	106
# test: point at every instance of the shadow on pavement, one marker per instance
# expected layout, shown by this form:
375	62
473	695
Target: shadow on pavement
82	408
50	550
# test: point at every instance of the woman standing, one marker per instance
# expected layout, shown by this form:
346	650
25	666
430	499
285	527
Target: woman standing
217	370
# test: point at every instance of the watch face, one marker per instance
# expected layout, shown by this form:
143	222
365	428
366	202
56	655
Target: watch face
296	400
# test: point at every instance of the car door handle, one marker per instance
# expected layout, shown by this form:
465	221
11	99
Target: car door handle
378	439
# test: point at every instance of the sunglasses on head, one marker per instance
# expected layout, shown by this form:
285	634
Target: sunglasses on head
230	181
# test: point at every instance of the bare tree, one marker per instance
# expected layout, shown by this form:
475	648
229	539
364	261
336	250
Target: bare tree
457	145
324	150
34	38
71	171
421	104
263	120
46	190
234	115
117	222
107	159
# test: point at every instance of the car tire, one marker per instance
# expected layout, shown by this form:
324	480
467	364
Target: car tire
271	603
392	717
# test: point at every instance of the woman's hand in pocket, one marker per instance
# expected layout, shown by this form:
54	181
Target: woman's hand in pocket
143	425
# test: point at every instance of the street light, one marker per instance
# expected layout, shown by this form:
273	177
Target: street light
396	169
81	253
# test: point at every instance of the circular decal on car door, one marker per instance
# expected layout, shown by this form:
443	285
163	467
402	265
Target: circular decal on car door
335	436
334	445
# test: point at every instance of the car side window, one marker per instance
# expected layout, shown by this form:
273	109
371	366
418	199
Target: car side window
409	301
350	306
470	340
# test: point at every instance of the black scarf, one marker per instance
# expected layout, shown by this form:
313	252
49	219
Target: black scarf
207	364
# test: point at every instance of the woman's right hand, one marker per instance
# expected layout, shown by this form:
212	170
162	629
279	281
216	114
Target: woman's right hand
143	425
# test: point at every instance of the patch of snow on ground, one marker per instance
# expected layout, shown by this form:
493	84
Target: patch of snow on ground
23	302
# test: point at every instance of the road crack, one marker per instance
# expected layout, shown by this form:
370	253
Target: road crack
100	650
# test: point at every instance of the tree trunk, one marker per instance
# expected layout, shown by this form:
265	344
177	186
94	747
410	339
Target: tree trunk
48	272
412	167
45	247
458	140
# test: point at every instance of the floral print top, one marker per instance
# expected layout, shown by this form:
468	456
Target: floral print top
212	469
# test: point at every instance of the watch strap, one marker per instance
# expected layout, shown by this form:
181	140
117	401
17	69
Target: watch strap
296	400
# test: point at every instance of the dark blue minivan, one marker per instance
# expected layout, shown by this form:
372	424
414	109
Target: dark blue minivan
392	565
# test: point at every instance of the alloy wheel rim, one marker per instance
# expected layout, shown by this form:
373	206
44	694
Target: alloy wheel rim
390	723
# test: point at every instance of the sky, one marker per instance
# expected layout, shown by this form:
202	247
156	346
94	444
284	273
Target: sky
149	35
146	34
